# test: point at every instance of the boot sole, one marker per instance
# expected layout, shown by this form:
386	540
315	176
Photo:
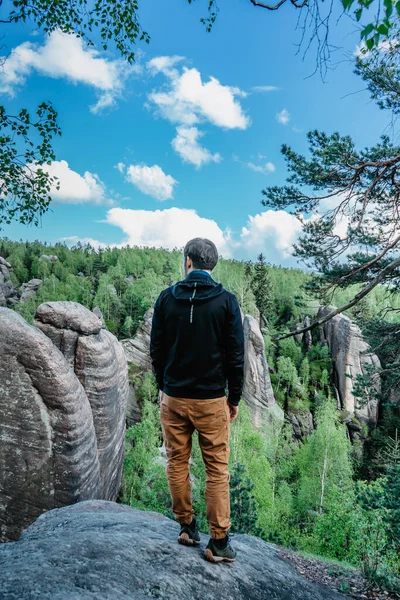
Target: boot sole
185	540
209	556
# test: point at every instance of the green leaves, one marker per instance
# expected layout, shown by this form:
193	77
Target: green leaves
347	3
366	31
116	22
381	27
25	146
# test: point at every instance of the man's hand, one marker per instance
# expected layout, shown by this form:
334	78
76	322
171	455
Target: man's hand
233	411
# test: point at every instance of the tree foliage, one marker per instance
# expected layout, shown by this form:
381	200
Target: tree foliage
25	146
117	22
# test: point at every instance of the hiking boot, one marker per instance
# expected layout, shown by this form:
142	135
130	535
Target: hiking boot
219	551
189	534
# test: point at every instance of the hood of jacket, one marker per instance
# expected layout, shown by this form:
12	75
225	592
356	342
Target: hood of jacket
196	288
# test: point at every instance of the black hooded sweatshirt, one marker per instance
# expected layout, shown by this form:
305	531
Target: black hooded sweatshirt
197	341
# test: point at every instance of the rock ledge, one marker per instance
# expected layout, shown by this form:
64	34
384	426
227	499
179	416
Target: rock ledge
98	550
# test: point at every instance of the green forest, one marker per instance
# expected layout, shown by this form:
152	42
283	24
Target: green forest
321	494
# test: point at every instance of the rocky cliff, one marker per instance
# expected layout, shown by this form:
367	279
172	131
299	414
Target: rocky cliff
62	412
257	388
102	550
351	357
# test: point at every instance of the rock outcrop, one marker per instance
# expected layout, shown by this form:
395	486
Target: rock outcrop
99	363
8	294
107	551
351	357
304	337
48	449
28	290
62	412
307	337
257	388
137	353
302	423
137	349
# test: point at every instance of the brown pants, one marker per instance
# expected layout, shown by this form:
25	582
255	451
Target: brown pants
179	418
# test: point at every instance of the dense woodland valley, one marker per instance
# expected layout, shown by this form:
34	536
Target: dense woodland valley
322	493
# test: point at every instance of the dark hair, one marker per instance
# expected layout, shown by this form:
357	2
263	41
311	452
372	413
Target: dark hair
203	252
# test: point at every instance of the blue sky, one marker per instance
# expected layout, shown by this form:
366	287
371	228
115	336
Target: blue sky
181	144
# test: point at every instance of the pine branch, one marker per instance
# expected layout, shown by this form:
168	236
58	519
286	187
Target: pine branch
366	290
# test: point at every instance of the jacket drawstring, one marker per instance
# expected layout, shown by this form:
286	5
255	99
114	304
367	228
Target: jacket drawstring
191	300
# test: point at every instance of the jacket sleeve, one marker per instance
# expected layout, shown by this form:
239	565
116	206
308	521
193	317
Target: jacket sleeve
234	352
157	349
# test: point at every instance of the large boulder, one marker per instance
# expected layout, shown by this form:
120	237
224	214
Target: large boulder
99	363
62	412
257	388
351	357
102	550
48	447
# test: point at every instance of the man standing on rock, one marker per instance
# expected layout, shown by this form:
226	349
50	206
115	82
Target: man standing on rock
197	347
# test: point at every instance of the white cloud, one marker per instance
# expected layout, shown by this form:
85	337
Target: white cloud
267	167
152	181
187	146
170	228
120	167
265	88
283	117
66	56
73	240
164	64
187	100
75	188
270	231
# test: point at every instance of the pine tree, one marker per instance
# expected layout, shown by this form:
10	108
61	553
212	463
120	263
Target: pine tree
262	289
243	505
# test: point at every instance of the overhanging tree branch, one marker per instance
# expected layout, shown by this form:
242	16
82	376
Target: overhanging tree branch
361	294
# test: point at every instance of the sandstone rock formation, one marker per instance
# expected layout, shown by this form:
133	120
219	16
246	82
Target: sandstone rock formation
302	423
307	337
351	355
257	388
48	449
99	363
137	353
137	349
62	412
304	337
102	550
28	290
8	294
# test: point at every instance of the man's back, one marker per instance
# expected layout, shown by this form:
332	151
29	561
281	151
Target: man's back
197	346
197	339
